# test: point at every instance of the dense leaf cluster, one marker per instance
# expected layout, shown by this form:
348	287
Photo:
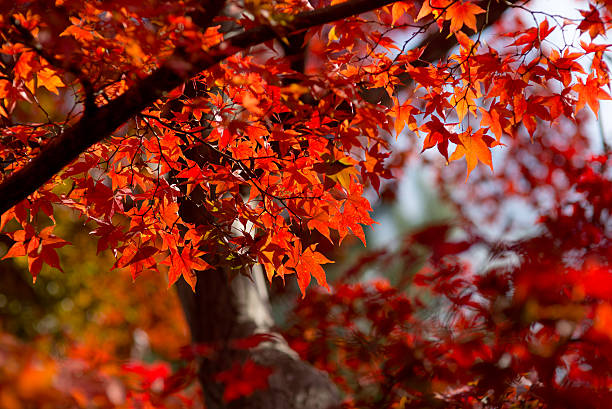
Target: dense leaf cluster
191	136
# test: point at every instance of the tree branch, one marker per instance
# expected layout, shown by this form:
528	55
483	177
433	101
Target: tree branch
204	15
101	122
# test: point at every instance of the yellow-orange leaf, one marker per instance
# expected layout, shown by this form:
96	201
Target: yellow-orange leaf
48	78
403	116
463	101
398	10
434	7
78	33
332	36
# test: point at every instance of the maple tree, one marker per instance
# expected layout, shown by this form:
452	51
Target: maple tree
220	144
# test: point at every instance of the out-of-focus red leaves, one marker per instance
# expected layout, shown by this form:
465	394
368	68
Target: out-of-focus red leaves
243	380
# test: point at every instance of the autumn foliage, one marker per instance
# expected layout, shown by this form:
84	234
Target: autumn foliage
188	136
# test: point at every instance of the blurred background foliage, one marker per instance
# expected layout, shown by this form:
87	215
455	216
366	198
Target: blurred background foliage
68	339
90	303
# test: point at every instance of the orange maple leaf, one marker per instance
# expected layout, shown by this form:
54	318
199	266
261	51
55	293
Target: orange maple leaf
40	248
309	264
78	33
403	114
463	13
474	148
492	119
183	263
589	92
399	9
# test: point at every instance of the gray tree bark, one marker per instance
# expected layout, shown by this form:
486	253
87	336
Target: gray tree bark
221	311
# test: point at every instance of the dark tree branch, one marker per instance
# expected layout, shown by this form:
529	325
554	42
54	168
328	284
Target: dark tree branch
204	15
101	122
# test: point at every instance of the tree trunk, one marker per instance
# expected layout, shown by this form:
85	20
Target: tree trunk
220	311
